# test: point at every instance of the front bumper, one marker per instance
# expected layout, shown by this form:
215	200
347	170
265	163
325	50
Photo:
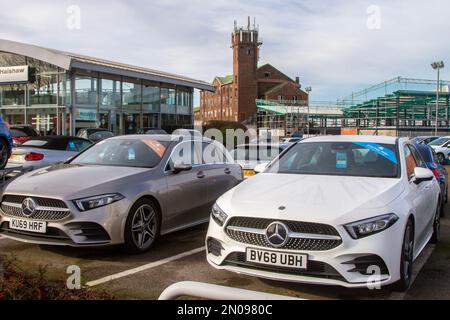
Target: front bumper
99	227
331	267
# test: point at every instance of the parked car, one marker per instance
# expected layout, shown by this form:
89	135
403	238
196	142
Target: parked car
249	156
442	148
39	152
6	143
291	140
22	134
151	131
95	135
124	190
431	159
424	139
330	210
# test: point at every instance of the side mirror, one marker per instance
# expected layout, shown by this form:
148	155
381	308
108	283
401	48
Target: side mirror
260	168
422	175
180	167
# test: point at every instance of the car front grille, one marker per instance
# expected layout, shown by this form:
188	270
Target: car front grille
47	209
316	269
323	237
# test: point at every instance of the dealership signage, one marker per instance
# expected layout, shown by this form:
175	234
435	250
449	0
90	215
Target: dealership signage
19	74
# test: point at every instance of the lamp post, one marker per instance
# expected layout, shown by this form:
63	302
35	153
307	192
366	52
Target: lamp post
308	91
438	66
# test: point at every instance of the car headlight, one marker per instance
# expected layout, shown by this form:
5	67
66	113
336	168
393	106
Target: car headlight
366	228
97	201
218	215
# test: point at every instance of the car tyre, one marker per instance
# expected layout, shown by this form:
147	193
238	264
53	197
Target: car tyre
441	158
4	154
142	226
436	228
406	260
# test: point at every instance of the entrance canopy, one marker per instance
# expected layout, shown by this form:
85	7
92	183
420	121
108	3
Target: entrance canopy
67	61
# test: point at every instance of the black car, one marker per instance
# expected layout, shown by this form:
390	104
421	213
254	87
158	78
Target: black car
95	135
151	130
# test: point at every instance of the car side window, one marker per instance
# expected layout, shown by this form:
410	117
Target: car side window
419	160
184	153
77	145
72	146
212	154
411	163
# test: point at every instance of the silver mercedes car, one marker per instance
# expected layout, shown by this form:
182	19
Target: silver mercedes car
125	190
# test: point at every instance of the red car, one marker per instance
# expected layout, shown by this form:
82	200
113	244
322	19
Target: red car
22	134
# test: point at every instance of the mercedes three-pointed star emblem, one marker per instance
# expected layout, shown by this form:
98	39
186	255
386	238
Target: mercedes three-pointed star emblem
277	234
28	207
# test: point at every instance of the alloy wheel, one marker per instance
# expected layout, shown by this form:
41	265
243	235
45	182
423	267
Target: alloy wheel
3	154
408	254
144	226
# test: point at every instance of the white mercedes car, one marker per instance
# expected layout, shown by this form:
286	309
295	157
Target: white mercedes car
350	211
442	148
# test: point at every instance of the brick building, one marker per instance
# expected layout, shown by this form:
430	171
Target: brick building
235	96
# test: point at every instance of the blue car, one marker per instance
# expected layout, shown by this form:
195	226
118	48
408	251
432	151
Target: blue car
441	174
6	143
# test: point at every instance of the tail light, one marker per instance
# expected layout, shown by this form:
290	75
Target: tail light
437	174
33	156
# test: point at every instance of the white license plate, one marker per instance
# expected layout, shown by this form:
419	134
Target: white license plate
278	259
28	225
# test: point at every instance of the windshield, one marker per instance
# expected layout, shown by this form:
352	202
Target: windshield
439	142
340	159
145	153
255	153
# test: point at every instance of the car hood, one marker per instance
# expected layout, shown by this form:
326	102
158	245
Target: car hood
310	198
67	181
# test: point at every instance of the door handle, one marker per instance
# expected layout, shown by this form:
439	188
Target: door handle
201	175
227	171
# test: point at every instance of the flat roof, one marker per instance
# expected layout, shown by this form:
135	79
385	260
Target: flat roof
68	60
367	139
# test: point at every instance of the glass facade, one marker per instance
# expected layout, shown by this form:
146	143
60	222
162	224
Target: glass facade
57	101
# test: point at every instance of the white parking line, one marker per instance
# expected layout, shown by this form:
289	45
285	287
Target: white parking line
144	267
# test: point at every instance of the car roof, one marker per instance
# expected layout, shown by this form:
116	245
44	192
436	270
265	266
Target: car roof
274	145
369	139
161	137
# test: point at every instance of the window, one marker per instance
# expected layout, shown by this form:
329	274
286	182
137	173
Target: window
184	153
411	163
124	153
212	154
420	162
356	159
267	74
280	98
77	145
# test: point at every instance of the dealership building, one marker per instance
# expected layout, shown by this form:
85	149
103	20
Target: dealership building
59	92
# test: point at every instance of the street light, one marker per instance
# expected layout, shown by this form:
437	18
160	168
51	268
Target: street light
438	66
308	91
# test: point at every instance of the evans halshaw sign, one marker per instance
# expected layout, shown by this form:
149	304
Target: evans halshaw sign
14	74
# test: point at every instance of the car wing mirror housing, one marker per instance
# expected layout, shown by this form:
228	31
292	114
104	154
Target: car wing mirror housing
180	167
260	168
422	175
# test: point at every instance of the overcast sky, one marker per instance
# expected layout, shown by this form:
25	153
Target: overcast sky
335	46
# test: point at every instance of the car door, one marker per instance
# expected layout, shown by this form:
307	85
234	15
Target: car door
186	200
421	196
221	173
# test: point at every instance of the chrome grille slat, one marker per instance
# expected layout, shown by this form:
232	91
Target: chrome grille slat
239	229
48	209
